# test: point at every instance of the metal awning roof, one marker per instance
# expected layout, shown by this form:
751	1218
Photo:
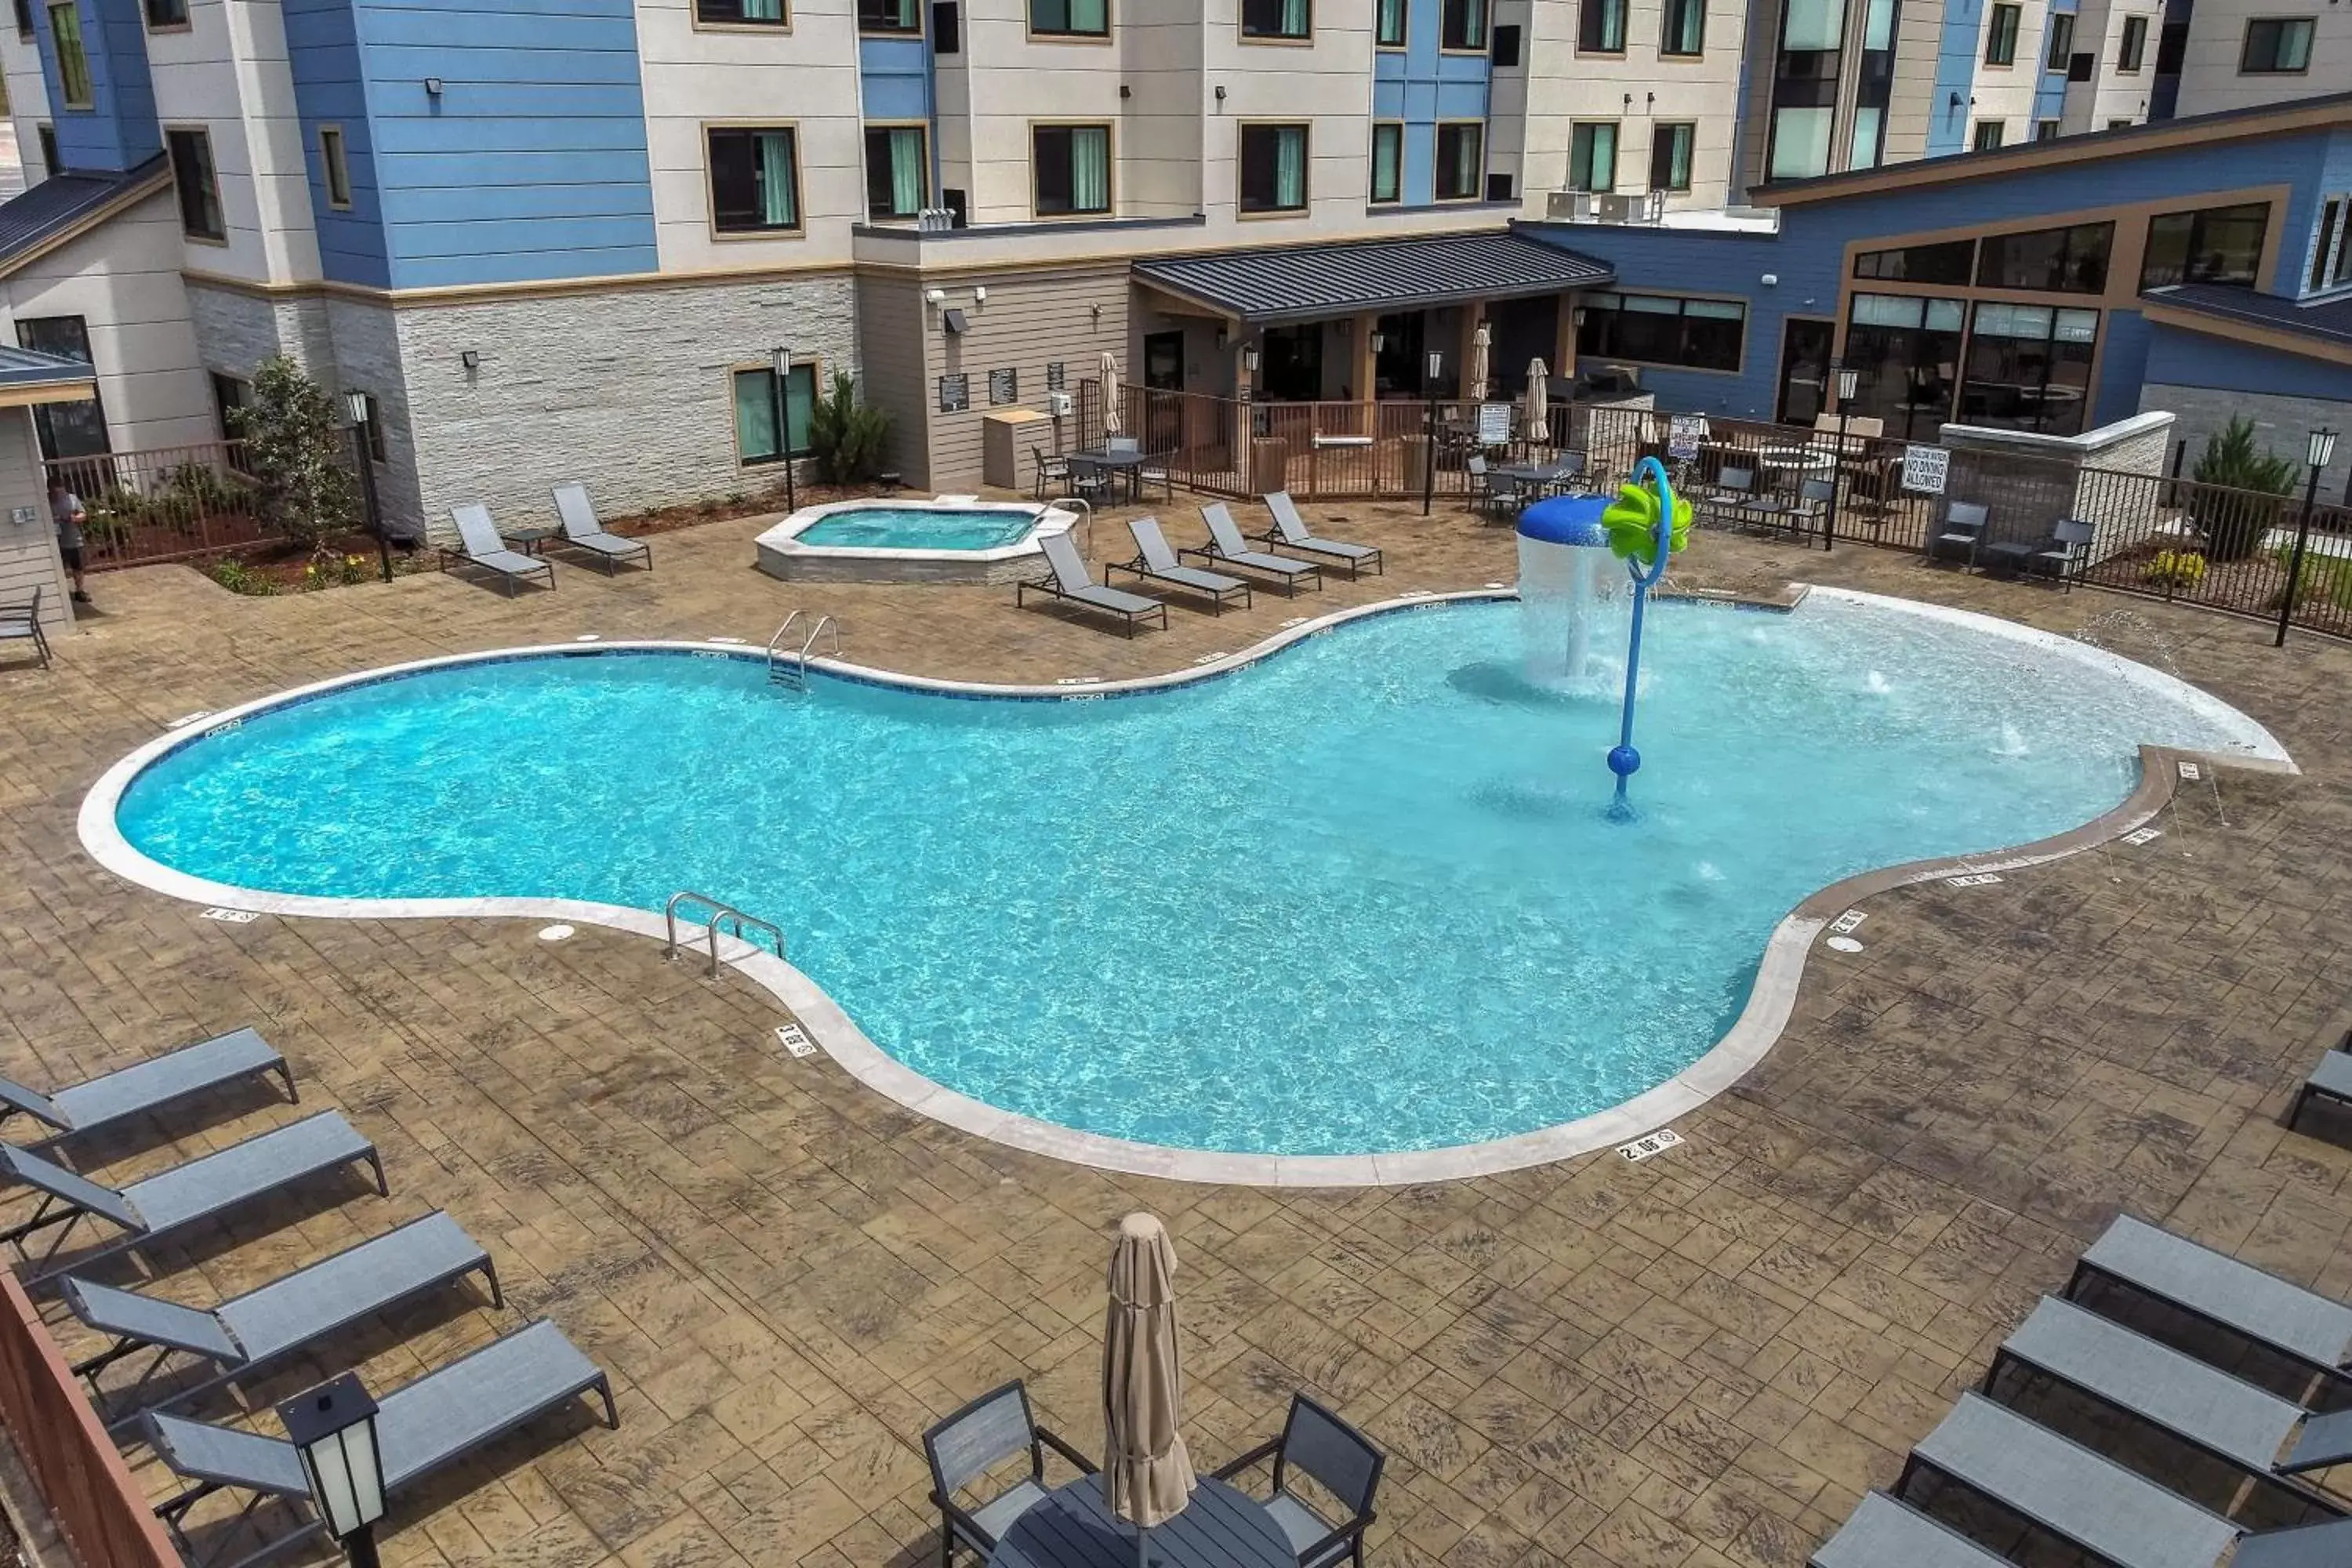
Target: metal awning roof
28	367
64	203
2327	321
1302	283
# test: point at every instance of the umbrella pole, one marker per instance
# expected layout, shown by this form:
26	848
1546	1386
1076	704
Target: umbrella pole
1142	1537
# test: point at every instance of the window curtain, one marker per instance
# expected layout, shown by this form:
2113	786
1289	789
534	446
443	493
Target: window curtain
1473	18
1391	22
1290	165
774	152
1090	16
1800	143
1466	162
764	10
73	64
1598	166
1294	18
1090	170
1678	158
1386	180
906	171
755	415
1685	26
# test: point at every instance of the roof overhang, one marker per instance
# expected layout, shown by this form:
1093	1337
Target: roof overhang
2248	327
1279	284
60	210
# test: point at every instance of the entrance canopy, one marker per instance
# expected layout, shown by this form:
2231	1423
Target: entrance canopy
1304	282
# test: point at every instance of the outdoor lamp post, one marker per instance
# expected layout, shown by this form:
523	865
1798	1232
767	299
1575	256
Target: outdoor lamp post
333	1426
1848	379
1430	372
784	424
2321	452
355	404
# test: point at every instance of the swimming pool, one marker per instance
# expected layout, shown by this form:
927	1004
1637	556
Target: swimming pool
1359	897
922	528
942	541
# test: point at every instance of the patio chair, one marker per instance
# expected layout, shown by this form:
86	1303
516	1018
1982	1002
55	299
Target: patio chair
20	621
1810	513
2063	554
1053	473
1070	579
481	546
1960	533
1881	1532
1291	529
239	1336
2297	1323
1155	561
2330	1080
1336	1458
1486	498
1089	481
150	1085
1735	495
421	1428
1158	472
582	532
965	1447
173	1200
1123	445
1226	545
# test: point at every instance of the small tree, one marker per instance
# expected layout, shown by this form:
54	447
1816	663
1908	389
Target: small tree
2234	525
294	450
846	436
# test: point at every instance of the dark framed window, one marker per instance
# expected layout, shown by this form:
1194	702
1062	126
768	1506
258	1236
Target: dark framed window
1805	73
755	414
1592	155
1600	27
198	186
228	403
167	13
1952	261
1461	162
1273	168
2133	46
1987	137
743	13
2276	45
1388	24
48	140
2045	131
73	62
2028	368
898	17
335	166
755	179
1659	329
1070	18
2061	42
24	18
2171	48
2331	230
1462	26
2120	125
897	171
2216	245
1670	155
1681	27
1277	19
2000	35
1071	165
65	429
2071	260
1906	352
1388	162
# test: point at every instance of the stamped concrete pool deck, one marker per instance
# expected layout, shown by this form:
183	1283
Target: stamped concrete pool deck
1699	1360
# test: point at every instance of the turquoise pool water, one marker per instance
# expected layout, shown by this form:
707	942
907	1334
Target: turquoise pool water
920	528
1362	897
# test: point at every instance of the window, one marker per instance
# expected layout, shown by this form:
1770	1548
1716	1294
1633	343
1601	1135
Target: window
167	13
755	413
2331	226
1801	142
1277	19
1072	167
24	18
1655	328
2133	45
741	13
2000	36
1953	261
192	173
2276	44
66	429
2121	124
897	171
2062	41
1988	136
2028	368
1070	18
2343	273
1592	155
2045	131
1670	156
1388	163
1600	27
888	16
335	165
1684	27
1273	168
2056	260
1388	24
755	180
229	395
1869	136
1506	47
73	64
1462	26
49	139
2218	245
1907	353
1461	162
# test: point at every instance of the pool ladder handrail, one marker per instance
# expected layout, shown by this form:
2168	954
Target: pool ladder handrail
722	912
794	675
1086	506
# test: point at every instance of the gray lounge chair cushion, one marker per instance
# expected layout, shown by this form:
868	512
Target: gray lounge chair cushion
132	1316
353	1283
1299	536
246	1170
2237	1295
483	546
581	527
2327	1545
34	1103
160	1080
1884	1533
230	1457
1071	580
2325	1440
2332	1076
1162	561
454	1409
1227	534
70	1188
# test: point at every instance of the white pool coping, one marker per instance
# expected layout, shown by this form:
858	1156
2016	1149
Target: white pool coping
785	537
1771	1000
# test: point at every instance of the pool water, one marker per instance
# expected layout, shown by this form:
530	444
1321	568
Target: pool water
1362	897
920	528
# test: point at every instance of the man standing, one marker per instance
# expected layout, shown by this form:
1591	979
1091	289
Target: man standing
65	510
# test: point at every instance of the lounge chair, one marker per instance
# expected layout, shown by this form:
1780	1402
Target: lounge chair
1070	579
20	621
173	1200
144	1086
239	1336
1960	534
1226	545
1291	529
582	532
481	546
1884	1533
2331	1079
2262	1308
965	1447
1343	1465
1156	561
421	1428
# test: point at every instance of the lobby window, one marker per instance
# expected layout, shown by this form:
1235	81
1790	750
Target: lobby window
1388	24
1988	136
65	429
1600	27
2045	131
1462	26
1273	168
2071	260
1282	19
2276	45
1951	262
1072	164
2062	42
1670	156
1683	30
742	12
199	188
2028	368
334	166
2134	47
1592	155
1388	163
2217	244
1907	350
755	180
755	414
888	17
1070	18
1658	329
1461	162
2000	35
167	14
897	171
73	64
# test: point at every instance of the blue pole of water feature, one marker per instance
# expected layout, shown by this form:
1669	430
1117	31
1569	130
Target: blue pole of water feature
1624	760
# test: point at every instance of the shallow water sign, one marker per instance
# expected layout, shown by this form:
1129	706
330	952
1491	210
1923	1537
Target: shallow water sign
232	917
795	1041
1657	1142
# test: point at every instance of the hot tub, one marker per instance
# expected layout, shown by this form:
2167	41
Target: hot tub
911	542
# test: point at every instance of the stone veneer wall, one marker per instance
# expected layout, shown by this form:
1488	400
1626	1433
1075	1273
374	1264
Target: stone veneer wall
2280	422
237	330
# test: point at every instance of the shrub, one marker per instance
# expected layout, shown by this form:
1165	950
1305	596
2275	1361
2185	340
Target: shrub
2325	579
239	578
846	436
2175	571
2234	525
296	454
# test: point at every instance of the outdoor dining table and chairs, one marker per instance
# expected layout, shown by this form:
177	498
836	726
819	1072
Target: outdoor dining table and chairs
1121	467
1071	1527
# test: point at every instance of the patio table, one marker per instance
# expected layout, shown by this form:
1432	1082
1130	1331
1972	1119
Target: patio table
1222	1527
530	538
1127	465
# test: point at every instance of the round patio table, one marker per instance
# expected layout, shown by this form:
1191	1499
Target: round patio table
1220	1527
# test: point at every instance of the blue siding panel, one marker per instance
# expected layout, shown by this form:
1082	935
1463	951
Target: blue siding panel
330	88
2123	365
1955	73
119	130
1420	85
2178	358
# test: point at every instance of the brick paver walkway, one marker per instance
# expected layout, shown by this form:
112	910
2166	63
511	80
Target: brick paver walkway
1698	1361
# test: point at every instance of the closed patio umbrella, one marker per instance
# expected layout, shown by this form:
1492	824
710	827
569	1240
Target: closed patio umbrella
1147	1474
1481	346
1110	394
1539	403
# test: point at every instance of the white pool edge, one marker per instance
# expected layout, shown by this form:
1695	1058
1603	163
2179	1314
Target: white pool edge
1771	998
784	538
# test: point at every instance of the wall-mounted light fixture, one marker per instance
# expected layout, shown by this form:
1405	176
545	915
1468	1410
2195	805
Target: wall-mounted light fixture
470	359
1220	92
1249	360
1125	91
1379	339
432	86
936	296
980	295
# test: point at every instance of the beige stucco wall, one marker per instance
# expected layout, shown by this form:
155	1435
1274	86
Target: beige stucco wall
1564	85
2217	33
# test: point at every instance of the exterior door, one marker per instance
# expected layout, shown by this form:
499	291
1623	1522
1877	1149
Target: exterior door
1804	370
1164	383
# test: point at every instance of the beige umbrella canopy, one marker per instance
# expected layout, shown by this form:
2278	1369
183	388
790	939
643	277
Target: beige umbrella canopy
1538	403
1110	394
1147	1474
1481	347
